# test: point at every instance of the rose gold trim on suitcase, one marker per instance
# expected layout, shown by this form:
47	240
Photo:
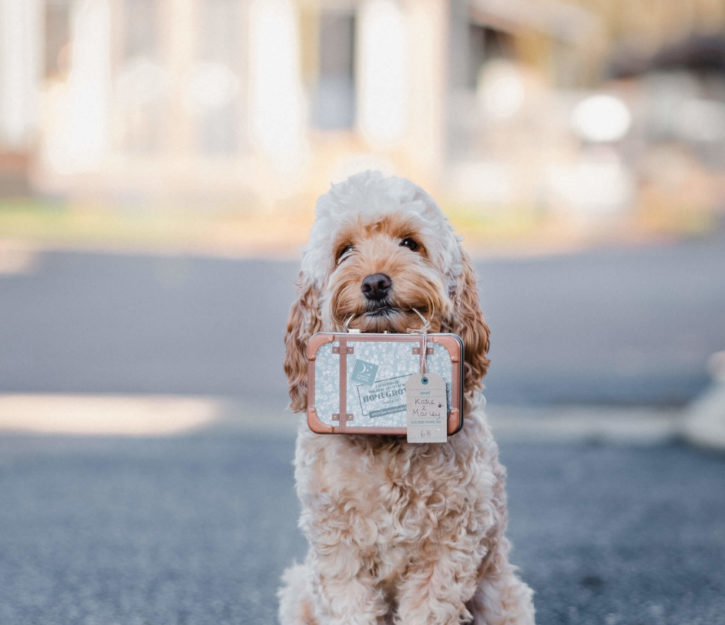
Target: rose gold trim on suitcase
344	350
455	351
313	421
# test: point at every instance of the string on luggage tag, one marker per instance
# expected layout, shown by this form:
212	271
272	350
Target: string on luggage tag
425	399
424	348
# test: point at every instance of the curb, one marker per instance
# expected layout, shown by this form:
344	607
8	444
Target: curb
701	424
104	415
168	415
584	424
137	415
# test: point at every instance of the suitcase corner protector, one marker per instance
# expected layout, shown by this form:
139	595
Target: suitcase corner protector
316	341
314	423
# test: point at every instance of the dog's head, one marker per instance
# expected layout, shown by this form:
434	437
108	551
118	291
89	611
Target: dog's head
381	255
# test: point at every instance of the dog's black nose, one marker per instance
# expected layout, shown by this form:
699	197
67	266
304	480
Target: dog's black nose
376	286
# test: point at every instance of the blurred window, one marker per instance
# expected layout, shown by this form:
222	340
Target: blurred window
215	93
140	81
140	36
57	38
333	101
485	44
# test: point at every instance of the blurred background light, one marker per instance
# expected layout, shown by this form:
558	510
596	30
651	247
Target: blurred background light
601	118
502	90
599	184
702	119
140	82
212	86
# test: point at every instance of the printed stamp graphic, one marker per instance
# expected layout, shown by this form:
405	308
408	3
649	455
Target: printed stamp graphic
364	372
382	398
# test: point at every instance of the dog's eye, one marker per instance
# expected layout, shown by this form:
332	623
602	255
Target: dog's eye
411	244
344	253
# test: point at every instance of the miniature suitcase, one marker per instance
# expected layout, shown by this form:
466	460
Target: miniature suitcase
357	381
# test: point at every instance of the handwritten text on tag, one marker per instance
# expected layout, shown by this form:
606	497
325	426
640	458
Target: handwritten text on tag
427	410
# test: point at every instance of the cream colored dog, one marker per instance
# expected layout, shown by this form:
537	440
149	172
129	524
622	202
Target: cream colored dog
411	534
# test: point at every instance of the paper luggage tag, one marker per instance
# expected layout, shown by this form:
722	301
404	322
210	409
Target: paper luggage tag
427	408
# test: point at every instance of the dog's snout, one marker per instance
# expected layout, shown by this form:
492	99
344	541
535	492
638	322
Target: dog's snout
376	286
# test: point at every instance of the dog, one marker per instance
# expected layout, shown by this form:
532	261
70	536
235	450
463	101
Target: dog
411	534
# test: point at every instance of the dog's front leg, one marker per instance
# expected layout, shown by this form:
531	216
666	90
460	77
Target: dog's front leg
435	590
344	592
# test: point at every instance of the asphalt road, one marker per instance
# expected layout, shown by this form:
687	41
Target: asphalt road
197	530
625	326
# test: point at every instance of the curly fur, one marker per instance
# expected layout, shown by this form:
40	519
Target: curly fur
398	533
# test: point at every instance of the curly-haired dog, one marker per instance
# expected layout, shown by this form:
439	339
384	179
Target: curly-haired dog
405	533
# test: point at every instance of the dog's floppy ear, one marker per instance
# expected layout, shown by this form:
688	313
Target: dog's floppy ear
304	320
467	321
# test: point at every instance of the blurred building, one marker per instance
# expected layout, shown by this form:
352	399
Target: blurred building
266	98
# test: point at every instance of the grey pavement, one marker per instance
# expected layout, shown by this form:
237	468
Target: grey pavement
617	326
197	529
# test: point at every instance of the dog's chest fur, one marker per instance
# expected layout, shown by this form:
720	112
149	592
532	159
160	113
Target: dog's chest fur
390	502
